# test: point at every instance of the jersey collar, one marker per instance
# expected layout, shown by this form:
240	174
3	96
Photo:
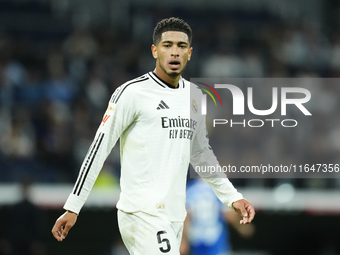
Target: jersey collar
164	84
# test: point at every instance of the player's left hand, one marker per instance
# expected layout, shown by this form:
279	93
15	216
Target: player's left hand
245	209
63	224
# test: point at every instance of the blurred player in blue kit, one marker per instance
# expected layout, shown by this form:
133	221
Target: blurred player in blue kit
205	227
160	134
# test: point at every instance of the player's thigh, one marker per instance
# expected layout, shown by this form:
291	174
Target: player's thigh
144	234
128	223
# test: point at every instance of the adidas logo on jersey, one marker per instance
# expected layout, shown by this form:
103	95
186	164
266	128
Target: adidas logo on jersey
162	105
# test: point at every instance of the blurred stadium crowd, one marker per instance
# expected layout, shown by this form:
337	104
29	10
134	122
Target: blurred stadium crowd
54	86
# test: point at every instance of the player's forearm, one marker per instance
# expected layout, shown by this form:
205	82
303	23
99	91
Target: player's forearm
89	171
205	164
224	190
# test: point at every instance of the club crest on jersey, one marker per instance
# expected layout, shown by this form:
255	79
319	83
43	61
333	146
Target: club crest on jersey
111	108
194	106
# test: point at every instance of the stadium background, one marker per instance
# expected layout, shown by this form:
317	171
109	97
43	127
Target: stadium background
60	60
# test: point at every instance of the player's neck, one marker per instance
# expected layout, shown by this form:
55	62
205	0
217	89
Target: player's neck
172	80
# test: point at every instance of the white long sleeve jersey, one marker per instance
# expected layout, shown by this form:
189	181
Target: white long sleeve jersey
161	131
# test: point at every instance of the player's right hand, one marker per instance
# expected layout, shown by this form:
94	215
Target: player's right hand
63	224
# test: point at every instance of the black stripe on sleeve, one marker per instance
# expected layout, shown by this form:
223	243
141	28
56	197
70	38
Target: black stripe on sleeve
115	94
121	92
85	166
88	169
100	137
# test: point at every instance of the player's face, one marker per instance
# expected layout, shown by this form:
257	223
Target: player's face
172	52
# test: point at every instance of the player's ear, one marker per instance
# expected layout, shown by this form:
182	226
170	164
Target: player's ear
154	51
190	52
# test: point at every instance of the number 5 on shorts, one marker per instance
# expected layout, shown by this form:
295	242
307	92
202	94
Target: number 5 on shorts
160	240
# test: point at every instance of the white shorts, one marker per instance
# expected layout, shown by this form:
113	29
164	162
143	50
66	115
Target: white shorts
144	234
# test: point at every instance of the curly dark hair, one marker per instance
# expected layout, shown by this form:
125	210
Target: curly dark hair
171	24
